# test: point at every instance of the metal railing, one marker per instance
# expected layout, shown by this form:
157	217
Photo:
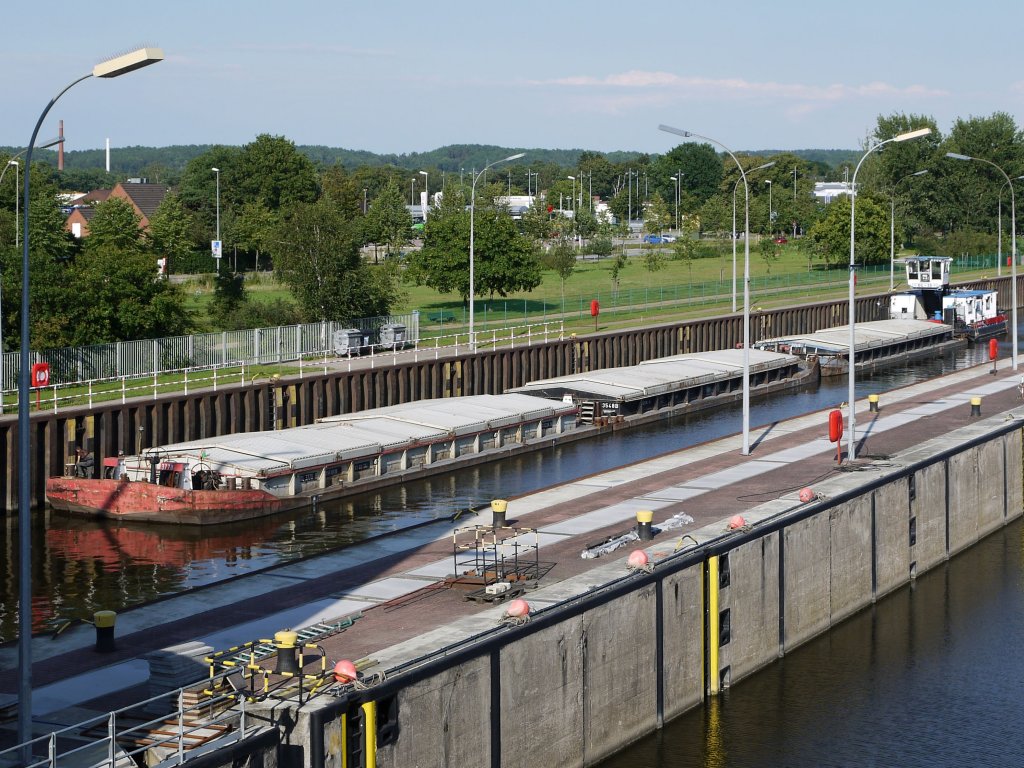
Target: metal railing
89	392
153	357
122	737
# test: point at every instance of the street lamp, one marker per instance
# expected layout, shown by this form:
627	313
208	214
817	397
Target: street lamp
426	188
734	188
412	191
675	188
217	249
771	217
1013	250
851	451
892	227
17	183
999	222
745	450
573	198
112	67
472	216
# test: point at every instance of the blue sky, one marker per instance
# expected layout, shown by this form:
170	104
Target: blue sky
392	76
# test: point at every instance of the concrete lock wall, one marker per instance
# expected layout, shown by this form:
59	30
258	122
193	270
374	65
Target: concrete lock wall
625	654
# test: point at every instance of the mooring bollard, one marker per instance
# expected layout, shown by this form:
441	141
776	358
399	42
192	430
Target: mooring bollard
643	525
873	403
975	406
498	508
104	623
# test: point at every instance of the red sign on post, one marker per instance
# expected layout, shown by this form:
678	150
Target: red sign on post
40	378
595	310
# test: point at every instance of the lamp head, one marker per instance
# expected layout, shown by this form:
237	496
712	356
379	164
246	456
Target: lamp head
762	167
571	177
424	173
676	131
957	156
913	134
215	170
128	62
514	157
920	173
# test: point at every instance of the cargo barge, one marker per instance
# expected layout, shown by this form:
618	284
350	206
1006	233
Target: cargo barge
251	475
877	344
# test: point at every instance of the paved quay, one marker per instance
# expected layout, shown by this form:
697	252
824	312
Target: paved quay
392	581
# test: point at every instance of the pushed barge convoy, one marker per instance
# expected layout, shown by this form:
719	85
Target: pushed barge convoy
249	475
670	383
973	314
252	474
877	344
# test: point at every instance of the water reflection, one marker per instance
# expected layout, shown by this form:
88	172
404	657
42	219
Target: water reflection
928	677
80	566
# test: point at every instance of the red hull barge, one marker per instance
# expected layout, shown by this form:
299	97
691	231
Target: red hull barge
152	503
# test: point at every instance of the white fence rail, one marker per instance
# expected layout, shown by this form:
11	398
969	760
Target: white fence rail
152	357
90	392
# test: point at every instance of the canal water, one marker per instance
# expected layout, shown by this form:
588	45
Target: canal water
80	566
930	676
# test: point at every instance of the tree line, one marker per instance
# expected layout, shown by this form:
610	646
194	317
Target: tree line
312	222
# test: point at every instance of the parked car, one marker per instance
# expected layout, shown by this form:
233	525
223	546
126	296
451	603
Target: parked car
780	240
656	239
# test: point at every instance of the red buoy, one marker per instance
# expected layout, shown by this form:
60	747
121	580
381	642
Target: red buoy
518	608
993	349
736	521
637	559
806	494
835	425
345	671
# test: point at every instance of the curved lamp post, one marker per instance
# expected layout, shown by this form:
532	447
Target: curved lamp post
1013	250
734	188
472	215
999	227
851	450
114	67
771	216
892	227
745	450
426	188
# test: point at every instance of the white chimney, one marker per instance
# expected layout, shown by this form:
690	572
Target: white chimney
108	155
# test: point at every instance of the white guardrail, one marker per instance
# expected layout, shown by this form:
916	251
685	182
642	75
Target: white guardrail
87	392
123	737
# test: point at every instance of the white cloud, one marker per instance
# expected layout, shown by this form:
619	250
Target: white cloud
675	86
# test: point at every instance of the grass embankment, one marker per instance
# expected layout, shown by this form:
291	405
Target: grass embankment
677	290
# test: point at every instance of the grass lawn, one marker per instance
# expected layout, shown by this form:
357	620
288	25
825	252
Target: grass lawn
679	289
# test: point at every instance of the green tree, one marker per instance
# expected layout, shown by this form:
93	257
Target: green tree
271	171
115	224
316	253
654	260
117	296
254	229
170	231
561	259
620	263
831	235
657	216
388	221
770	252
503	259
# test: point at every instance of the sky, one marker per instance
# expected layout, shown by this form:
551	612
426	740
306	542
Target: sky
398	77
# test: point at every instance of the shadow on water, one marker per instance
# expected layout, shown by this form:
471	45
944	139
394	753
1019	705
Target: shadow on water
80	566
